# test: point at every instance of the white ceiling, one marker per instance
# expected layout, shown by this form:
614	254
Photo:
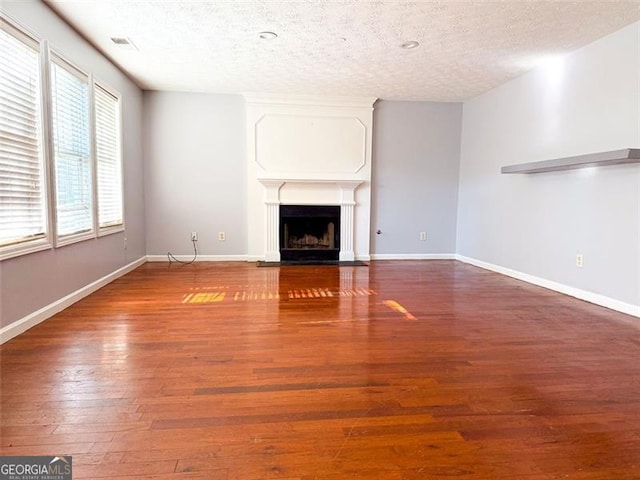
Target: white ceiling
340	47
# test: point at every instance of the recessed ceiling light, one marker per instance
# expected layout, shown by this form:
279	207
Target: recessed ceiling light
409	45
267	35
124	43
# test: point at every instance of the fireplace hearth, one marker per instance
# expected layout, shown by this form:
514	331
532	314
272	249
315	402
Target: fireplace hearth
309	233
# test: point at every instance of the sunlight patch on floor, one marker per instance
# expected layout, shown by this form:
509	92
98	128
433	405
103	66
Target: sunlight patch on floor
253	295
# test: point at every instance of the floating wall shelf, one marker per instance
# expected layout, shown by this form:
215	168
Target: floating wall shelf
615	157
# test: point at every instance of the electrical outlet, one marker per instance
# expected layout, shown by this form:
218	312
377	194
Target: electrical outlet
194	236
423	236
125	243
579	260
221	236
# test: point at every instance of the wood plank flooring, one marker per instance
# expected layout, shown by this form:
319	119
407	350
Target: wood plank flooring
398	371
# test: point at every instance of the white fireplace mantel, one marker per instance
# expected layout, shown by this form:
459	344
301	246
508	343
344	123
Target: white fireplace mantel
347	187
345	190
309	151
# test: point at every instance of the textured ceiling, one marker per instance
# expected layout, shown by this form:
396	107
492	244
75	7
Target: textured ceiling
347	47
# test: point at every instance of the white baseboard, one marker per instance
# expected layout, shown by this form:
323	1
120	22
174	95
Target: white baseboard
203	258
413	256
591	297
226	258
16	328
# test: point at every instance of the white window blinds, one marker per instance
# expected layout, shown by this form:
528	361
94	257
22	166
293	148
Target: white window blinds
22	205
71	149
60	173
109	164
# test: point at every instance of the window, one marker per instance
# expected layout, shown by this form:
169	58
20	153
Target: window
60	149
23	219
108	158
71	145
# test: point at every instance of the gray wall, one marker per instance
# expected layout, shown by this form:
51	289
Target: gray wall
416	154
195	172
536	224
33	281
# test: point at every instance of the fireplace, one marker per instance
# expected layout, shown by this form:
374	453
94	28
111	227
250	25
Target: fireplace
308	150
309	233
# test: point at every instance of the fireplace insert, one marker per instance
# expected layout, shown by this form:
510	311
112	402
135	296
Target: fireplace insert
309	232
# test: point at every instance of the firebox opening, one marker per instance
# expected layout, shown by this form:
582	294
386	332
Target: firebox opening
309	232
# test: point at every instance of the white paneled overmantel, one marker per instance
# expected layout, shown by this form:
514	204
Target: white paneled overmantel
307	150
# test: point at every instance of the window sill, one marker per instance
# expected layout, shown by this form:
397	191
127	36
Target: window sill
24	248
104	231
75	238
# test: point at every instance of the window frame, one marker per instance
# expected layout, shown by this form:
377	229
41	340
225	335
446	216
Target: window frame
120	227
44	242
54	57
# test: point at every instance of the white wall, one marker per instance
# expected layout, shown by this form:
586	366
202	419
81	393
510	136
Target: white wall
195	170
416	155
536	224
33	281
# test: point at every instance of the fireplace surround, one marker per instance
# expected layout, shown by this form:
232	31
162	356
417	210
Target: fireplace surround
311	192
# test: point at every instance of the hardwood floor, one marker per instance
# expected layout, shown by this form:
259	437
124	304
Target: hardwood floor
400	370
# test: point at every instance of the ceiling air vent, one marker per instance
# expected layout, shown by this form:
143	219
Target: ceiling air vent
124	43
